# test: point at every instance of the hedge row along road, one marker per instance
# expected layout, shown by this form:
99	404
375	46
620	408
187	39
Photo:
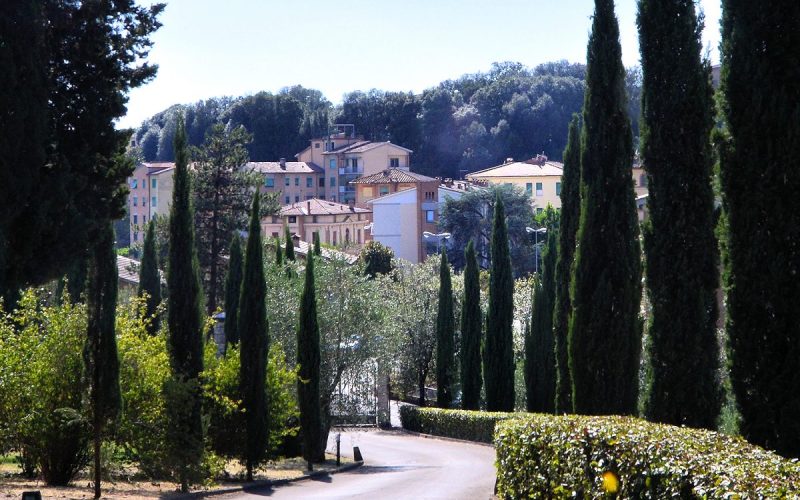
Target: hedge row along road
398	465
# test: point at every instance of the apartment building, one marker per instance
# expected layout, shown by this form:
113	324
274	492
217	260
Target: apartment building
538	176
336	223
296	181
150	195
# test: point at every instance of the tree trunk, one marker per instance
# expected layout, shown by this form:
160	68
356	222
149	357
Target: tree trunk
422	389
97	471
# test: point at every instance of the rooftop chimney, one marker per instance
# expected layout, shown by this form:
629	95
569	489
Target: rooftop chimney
282	161
509	160
308	207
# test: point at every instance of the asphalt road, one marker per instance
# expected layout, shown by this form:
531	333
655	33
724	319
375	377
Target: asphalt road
398	465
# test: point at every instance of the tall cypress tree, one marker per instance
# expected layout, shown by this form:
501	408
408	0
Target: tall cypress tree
540	361
471	330
760	171
233	285
568	228
317	244
150	279
680	248
254	339
604	340
308	371
185	323
498	355
445	332
278	252
289	251
100	351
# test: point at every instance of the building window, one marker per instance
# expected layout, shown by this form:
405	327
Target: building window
539	210
154	183
322	197
558	189
643	180
347	235
529	188
314	219
286	181
383	190
358	237
429	216
287	200
333	183
135	201
135	236
292	219
354	162
322	182
394	162
143	184
269	182
135	219
297	181
332	162
296	198
539	190
309	196
333	198
134	184
333	145
309	182
153	201
316	145
144	219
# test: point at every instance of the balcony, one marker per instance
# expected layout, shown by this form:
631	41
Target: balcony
351	170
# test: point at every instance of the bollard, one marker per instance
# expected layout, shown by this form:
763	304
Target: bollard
31	495
357	454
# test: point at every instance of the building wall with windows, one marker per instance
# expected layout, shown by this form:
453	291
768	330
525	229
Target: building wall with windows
539	177
150	195
338	224
293	181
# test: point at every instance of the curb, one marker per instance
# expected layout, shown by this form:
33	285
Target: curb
442	438
269	482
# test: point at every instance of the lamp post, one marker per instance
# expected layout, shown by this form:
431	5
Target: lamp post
439	237
536	233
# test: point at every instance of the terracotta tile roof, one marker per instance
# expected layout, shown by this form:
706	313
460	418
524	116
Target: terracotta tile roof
319	207
292	167
520	169
393	175
128	269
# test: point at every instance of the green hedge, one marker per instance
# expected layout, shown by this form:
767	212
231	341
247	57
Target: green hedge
586	457
458	424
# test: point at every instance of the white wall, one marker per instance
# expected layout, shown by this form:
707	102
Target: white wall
395	224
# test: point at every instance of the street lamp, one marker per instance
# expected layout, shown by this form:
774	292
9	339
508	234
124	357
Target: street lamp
439	237
536	233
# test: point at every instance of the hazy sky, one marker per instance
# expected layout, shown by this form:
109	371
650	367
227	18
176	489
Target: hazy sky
209	48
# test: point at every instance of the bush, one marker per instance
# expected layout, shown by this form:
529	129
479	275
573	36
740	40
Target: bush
459	424
594	457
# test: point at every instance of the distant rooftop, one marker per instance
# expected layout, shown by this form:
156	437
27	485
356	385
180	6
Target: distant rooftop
291	167
319	207
534	167
363	146
157	167
392	175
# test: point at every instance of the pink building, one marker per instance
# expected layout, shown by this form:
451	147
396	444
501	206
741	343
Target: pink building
150	195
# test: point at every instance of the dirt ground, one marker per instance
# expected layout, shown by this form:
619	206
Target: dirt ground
12	485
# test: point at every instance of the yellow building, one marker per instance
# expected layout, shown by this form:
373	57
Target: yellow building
150	195
539	177
337	223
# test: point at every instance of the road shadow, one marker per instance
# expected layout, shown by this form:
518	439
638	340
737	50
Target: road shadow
380	469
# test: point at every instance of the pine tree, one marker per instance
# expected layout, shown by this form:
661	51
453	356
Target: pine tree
233	286
308	372
604	340
471	330
185	323
150	279
679	243
254	339
317	244
760	174
445	333
289	250
540	362
100	351
568	228
498	355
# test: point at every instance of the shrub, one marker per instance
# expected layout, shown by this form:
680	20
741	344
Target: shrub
592	457
459	424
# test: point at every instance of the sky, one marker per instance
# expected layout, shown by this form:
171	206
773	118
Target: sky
212	48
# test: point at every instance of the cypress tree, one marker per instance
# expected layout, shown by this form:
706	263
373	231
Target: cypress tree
317	244
760	173
100	350
308	371
278	252
233	285
289	251
568	228
498	355
185	323
471	330
445	332
540	361
604	341
679	243
254	339
150	279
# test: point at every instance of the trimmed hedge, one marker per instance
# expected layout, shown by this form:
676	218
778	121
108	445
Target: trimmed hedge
542	456
459	424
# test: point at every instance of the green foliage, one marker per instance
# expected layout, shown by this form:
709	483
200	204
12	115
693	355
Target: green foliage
470	218
150	278
762	212
308	370
445	337
604	340
233	286
254	341
680	249
317	244
568	228
182	390
471	331
220	195
42	390
288	252
582	457
458	424
498	353
377	258
278	253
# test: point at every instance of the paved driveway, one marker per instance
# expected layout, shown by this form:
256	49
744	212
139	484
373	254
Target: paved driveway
398	465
